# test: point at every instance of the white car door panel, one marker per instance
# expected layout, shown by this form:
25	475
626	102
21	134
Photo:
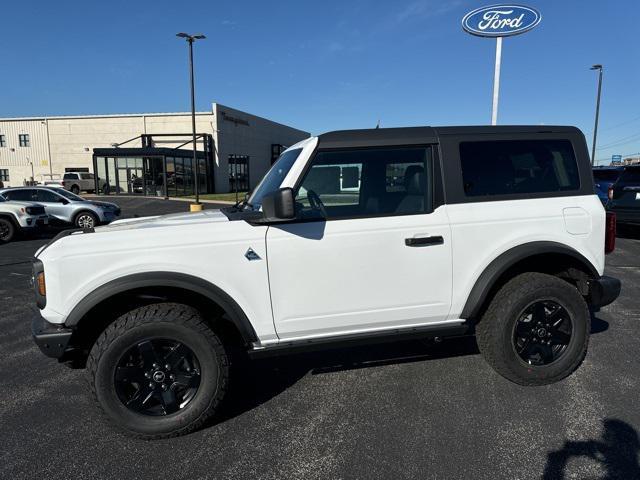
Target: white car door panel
345	276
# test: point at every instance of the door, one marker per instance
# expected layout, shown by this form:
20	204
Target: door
54	204
370	251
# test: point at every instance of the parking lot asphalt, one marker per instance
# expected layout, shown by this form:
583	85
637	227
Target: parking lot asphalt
403	410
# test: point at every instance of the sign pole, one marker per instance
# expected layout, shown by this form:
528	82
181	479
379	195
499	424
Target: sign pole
496	82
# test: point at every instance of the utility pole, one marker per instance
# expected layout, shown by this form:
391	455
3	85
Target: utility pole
190	39
595	128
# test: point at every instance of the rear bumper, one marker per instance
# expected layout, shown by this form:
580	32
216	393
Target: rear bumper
51	339
604	291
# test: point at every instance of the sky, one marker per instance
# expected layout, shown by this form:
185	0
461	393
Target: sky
326	65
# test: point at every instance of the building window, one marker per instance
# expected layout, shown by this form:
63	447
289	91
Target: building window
238	173
23	138
4	175
3	141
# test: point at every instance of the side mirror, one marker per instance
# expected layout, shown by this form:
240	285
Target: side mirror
279	206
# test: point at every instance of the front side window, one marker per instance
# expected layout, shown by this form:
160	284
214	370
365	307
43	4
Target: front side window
48	196
3	141
518	167
23	140
367	183
70	176
67	194
4	174
274	177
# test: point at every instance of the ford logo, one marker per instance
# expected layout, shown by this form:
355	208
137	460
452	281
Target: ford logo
501	20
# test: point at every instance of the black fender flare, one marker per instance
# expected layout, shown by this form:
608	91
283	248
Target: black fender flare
166	279
504	261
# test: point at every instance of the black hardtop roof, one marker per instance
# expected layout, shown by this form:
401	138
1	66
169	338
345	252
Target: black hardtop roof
421	135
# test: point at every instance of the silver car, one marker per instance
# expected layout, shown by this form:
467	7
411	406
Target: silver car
64	206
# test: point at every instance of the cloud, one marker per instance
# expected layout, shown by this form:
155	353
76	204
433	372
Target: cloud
228	23
425	9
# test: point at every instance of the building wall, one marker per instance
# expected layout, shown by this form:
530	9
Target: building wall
58	143
240	133
18	159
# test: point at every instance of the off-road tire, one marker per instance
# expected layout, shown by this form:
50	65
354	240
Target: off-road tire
163	320
9	227
494	332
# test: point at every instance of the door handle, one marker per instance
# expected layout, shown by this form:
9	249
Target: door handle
423	241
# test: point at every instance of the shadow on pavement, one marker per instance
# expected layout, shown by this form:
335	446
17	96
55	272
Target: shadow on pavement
617	452
261	380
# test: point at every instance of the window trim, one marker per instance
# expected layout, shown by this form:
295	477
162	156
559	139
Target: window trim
4	175
3	140
436	186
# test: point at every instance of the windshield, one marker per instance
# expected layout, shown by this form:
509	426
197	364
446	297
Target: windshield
67	194
274	177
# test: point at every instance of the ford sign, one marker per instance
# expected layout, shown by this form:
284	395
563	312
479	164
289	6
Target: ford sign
501	20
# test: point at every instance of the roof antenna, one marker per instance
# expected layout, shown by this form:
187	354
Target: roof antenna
378	124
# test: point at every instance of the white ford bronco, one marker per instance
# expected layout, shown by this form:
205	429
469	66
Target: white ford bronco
352	236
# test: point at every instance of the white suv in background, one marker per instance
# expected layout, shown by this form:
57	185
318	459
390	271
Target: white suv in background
352	236
20	217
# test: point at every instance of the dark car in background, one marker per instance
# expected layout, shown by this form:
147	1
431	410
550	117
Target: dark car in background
603	178
624	196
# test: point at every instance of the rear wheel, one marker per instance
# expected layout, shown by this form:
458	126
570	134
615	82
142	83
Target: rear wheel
158	371
536	330
7	230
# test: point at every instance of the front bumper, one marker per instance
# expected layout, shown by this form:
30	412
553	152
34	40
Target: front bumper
52	339
604	291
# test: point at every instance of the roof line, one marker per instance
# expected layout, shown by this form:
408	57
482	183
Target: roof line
109	115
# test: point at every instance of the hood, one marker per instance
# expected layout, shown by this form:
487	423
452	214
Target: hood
162	221
103	204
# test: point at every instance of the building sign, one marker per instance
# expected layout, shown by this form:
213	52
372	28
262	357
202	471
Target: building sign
616	159
500	20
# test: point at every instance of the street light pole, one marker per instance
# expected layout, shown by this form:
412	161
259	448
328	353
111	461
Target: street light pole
595	128
190	39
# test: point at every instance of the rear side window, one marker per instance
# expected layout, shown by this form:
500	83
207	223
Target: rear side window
518	167
70	176
631	175
21	195
86	176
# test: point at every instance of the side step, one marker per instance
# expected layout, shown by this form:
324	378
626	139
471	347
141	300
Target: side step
343	341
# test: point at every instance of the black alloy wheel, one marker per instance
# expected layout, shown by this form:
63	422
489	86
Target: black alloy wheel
157	377
542	333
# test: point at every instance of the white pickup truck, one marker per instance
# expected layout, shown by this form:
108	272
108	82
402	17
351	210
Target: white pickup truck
352	236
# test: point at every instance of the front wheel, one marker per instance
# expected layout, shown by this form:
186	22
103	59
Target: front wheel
75	189
158	371
7	230
536	330
85	220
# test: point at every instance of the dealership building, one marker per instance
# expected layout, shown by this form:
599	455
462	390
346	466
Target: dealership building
147	153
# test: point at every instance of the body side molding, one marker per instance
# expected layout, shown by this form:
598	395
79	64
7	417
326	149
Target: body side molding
165	279
504	261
